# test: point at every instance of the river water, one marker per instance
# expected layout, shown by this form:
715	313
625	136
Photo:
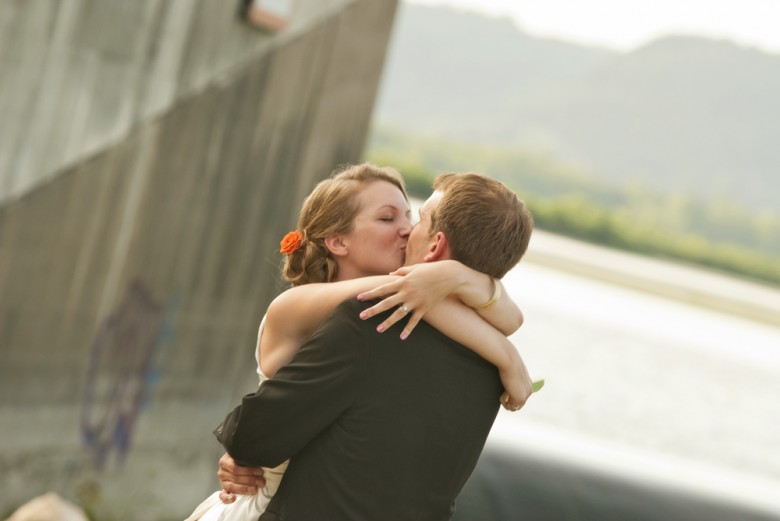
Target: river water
640	384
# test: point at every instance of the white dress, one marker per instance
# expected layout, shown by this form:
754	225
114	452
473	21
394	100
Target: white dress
245	507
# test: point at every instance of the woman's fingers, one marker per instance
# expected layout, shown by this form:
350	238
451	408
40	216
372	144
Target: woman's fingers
506	401
390	288
406	296
509	404
394	317
415	315
399	314
380	307
413	321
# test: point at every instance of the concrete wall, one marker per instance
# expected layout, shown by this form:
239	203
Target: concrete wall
78	75
144	202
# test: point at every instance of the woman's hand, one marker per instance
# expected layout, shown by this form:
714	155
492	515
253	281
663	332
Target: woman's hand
236	479
418	289
517	385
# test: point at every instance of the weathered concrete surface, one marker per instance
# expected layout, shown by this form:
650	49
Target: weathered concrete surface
77	76
155	154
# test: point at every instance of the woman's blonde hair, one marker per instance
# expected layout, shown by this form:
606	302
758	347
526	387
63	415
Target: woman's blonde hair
330	209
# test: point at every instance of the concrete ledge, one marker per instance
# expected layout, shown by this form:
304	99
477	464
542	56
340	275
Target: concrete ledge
665	278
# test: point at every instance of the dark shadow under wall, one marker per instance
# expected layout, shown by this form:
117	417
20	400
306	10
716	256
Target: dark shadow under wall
514	486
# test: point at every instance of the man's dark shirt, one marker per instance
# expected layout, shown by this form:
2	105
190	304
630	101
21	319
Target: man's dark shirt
377	428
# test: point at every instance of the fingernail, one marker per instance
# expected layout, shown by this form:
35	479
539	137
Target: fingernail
363	315
360	297
380	328
404	335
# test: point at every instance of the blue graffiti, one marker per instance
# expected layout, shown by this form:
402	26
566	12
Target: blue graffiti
121	372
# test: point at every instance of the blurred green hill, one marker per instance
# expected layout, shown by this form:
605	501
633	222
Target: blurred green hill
682	116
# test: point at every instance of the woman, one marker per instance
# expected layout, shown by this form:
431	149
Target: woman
355	225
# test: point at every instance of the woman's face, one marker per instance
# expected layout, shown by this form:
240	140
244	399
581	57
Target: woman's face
377	243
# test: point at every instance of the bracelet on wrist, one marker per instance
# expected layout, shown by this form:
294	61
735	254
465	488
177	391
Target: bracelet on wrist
496	295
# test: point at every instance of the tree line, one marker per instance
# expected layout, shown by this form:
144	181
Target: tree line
716	234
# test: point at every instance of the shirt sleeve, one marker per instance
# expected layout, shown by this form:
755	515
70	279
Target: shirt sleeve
304	397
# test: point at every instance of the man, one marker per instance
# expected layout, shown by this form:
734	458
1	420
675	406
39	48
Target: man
378	428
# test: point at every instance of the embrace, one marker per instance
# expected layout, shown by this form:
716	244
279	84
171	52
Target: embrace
355	419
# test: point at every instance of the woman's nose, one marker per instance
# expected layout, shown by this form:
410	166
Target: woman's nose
407	228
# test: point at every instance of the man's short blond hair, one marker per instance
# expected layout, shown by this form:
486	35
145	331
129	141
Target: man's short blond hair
487	227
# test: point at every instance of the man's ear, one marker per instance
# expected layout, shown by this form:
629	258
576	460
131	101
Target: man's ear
336	246
438	248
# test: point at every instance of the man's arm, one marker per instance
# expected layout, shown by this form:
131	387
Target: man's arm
305	396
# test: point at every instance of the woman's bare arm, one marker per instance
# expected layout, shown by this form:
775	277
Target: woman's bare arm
296	314
425	284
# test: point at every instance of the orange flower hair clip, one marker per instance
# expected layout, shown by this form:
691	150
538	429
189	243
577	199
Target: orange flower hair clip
291	242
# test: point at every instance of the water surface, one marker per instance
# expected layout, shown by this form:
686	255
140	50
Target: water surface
642	384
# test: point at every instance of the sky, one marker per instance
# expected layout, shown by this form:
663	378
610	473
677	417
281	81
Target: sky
627	24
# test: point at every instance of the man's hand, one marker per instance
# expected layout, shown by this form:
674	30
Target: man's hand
236	479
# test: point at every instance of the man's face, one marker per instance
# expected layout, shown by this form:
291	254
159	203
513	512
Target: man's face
420	238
